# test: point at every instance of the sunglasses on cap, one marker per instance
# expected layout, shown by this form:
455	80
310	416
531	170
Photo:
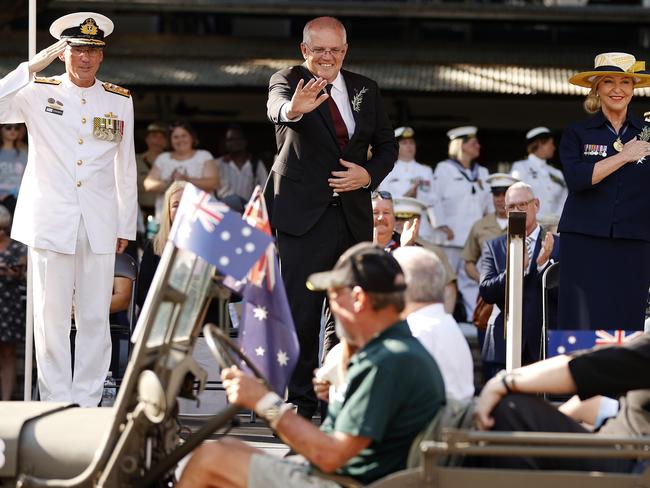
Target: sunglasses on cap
383	195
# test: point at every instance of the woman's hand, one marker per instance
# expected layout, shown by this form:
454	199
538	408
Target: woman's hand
635	149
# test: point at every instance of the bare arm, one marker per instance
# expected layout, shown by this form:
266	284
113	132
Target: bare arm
328	452
154	182
209	181
121	294
549	376
472	271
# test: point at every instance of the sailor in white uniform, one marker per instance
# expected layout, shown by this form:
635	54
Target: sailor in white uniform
77	204
409	178
546	181
462	197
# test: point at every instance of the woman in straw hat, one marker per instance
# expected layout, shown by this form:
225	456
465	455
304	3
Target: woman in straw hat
605	224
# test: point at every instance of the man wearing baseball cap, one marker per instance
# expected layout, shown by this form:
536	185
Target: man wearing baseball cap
77	204
394	390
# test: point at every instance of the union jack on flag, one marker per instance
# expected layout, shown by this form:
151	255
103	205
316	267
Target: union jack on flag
268	335
206	227
566	341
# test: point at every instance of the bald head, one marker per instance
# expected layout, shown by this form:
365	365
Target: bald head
322	23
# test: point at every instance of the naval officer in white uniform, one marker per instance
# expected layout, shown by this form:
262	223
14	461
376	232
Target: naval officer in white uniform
462	197
546	181
77	203
408	178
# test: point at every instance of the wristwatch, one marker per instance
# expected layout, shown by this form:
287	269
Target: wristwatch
271	407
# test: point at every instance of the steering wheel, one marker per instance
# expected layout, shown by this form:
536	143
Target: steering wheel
227	353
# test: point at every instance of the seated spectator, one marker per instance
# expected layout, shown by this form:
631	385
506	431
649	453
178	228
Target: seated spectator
239	170
394	390
392	231
541	249
153	248
183	163
509	402
13	262
431	325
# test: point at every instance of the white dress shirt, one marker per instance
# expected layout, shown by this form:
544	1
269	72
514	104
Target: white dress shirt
440	335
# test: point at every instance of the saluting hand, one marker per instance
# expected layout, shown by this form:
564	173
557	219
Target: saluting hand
306	97
45	57
353	178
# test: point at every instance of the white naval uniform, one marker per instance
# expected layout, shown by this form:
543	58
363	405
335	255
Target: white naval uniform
547	182
78	195
462	197
402	178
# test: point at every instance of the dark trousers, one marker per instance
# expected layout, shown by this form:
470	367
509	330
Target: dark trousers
300	256
532	414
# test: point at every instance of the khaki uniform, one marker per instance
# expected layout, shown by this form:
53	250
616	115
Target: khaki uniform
483	230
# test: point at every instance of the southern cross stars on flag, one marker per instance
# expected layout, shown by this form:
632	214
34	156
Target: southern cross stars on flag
268	335
566	341
207	227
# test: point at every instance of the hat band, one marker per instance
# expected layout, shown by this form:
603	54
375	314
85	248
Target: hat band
74	33
635	68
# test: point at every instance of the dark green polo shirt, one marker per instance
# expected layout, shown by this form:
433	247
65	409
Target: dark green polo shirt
393	390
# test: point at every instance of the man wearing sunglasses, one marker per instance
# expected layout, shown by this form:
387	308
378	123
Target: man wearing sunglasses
318	192
77	204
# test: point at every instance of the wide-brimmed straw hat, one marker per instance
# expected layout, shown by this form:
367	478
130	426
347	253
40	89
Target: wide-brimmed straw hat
614	64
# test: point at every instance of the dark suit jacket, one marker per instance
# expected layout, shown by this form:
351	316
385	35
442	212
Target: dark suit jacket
618	206
493	290
297	192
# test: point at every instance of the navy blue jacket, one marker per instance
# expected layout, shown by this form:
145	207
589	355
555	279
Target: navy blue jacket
619	205
493	290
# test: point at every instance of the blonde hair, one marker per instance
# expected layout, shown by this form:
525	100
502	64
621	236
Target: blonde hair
160	239
592	102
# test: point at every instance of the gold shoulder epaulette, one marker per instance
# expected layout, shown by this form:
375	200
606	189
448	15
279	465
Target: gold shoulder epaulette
110	87
47	81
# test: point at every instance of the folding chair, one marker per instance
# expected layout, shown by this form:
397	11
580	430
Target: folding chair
550	281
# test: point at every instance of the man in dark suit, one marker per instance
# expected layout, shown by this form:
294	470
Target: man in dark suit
318	192
542	248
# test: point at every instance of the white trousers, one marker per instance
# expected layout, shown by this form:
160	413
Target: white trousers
466	285
86	279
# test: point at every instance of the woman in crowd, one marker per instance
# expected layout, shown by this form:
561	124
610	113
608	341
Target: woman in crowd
605	224
13	261
462	197
154	247
13	159
183	163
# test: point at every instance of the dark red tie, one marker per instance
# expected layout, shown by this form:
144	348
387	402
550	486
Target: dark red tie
339	125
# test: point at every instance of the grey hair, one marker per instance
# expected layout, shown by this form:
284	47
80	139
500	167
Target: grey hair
521	185
322	22
425	276
381	300
5	217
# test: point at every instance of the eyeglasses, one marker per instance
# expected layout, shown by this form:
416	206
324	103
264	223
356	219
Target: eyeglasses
91	52
11	127
521	206
320	51
383	195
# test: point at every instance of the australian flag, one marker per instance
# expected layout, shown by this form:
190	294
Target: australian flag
268	335
566	341
207	227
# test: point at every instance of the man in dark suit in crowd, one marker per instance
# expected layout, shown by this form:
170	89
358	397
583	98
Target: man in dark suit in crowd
542	248
318	192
